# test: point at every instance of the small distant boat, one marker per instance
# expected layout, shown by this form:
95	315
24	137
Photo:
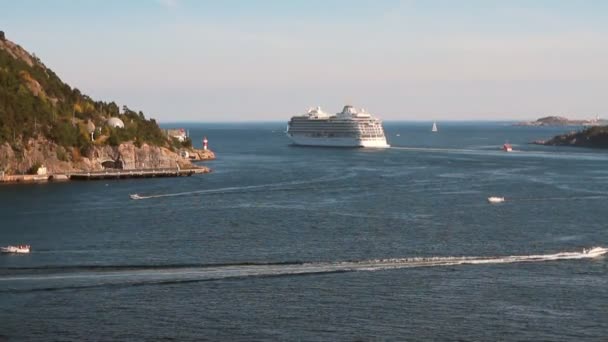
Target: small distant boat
398	134
434	129
21	249
494	199
507	147
135	196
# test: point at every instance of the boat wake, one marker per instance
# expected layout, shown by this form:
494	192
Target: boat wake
543	199
16	280
500	152
564	198
248	188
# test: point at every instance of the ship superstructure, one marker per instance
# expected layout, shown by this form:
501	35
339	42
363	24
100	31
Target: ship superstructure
349	128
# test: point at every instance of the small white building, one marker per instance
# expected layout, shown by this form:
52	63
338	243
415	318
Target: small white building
115	123
179	134
41	171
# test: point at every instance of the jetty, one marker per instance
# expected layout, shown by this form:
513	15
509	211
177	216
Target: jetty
104	174
135	173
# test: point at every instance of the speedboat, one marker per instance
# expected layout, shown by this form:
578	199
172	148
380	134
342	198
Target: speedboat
507	148
495	199
135	196
16	249
595	251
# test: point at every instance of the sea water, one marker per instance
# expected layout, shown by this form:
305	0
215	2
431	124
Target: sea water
291	243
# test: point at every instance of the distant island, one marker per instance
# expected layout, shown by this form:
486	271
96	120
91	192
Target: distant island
562	121
47	125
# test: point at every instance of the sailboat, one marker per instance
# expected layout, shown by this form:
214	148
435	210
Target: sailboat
434	129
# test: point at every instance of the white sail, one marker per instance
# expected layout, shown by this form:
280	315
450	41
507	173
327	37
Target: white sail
434	129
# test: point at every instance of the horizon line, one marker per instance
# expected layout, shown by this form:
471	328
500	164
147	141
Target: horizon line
285	121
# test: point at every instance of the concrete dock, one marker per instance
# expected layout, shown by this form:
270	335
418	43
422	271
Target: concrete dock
145	173
106	174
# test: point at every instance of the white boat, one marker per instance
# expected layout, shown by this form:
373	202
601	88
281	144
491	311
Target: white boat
434	129
21	249
494	199
507	147
135	196
349	128
595	251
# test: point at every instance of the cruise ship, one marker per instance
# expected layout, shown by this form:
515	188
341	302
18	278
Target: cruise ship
349	128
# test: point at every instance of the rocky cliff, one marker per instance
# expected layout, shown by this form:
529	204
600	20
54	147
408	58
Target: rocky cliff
57	159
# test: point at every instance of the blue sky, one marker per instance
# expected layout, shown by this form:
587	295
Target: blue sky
268	60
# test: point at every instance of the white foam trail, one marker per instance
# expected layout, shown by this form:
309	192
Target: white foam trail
450	261
249	187
499	152
435	149
570	198
160	275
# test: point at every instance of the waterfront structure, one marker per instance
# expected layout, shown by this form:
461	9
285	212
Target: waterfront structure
115	123
349	128
91	129
178	133
41	171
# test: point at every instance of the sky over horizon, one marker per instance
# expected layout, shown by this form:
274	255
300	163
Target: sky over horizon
187	60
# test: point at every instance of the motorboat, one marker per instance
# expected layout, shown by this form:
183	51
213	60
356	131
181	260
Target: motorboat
135	196
507	147
595	251
21	249
494	199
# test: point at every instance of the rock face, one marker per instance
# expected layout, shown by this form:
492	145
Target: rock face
20	159
132	157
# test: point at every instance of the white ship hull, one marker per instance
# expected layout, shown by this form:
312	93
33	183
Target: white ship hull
349	128
15	249
338	142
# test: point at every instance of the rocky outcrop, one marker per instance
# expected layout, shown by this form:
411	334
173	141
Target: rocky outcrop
596	137
18	52
19	159
197	155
